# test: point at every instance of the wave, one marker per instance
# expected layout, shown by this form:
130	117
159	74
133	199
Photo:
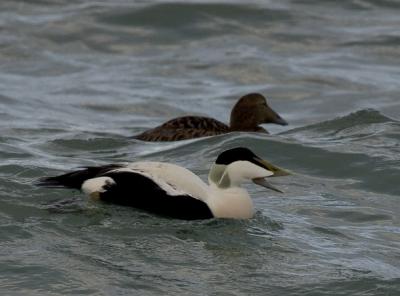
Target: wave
363	125
178	16
364	116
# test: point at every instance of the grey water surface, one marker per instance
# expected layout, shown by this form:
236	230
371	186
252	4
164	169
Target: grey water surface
78	78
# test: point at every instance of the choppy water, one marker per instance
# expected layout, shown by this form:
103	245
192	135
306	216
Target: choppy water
77	78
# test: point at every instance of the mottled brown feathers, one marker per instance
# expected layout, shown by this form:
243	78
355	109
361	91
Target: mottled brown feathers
182	128
195	122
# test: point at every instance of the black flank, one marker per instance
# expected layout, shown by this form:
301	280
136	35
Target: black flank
135	190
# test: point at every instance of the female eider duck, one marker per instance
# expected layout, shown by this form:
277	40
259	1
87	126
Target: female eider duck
169	190
248	113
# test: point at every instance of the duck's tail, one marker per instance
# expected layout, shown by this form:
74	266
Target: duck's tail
75	179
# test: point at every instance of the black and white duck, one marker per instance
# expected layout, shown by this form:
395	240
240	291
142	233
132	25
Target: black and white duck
170	190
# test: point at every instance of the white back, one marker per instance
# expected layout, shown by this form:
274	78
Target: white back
175	176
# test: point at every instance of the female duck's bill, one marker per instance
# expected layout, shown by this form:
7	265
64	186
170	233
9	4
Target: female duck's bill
173	191
247	115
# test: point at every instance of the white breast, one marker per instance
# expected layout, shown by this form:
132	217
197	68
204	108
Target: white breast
232	202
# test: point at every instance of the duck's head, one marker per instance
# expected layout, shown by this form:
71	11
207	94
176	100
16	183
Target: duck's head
237	165
252	110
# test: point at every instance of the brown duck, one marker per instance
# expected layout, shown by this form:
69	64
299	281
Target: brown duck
248	113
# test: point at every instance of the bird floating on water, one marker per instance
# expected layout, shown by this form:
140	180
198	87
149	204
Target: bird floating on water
170	190
248	113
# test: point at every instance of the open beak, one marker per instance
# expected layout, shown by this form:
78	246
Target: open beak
278	172
270	167
264	183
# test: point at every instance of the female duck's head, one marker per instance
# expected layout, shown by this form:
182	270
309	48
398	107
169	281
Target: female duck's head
252	110
237	165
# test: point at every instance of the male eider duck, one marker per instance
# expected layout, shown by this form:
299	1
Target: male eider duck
248	113
169	190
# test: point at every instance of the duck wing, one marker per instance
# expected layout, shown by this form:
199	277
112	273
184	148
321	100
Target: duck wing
182	128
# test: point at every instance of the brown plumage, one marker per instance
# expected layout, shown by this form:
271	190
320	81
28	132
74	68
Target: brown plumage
248	113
